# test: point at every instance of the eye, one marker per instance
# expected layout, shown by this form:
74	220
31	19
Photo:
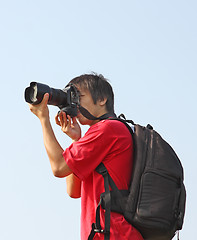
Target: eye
81	94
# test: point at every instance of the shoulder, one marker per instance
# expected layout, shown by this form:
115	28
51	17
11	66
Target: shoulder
107	123
113	126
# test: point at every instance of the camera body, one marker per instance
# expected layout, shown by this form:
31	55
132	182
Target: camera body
67	99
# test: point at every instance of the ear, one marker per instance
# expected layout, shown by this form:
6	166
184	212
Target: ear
102	102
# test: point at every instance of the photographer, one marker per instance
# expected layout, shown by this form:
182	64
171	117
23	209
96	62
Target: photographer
105	141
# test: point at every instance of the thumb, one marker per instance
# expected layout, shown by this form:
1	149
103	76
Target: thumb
45	98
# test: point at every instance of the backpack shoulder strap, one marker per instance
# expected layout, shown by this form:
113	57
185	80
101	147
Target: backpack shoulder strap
121	118
105	198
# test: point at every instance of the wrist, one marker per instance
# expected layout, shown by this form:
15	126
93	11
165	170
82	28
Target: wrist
44	119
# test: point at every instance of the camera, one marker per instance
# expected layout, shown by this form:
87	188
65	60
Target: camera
66	99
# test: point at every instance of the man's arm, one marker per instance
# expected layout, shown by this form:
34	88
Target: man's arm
54	151
53	148
73	130
73	186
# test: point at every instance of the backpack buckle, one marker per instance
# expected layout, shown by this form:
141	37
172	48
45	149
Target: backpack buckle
101	169
97	229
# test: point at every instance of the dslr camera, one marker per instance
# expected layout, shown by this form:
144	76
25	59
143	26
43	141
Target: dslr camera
66	99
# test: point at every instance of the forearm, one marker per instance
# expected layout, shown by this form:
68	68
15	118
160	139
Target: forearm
73	186
54	150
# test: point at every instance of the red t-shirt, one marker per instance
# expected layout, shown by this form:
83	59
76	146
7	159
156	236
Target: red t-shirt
110	142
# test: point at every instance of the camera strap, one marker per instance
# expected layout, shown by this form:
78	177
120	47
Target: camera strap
89	116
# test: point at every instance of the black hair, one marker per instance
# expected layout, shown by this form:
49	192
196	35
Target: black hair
98	87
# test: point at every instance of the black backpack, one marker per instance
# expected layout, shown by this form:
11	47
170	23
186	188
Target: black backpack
155	201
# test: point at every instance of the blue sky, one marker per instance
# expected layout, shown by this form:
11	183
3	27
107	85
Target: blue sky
148	51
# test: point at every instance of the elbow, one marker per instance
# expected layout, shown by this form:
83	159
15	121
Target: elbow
60	170
73	194
58	173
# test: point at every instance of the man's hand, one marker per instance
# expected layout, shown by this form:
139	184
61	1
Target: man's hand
68	125
41	110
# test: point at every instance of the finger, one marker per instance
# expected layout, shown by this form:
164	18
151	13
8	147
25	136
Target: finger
30	106
57	119
62	120
69	121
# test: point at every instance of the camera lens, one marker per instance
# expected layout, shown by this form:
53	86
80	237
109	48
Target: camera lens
33	93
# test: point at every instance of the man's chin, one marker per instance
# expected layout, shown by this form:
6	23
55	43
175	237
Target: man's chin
83	120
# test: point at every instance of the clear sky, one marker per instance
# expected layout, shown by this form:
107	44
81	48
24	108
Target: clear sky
148	51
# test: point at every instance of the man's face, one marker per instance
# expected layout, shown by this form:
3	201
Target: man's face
86	101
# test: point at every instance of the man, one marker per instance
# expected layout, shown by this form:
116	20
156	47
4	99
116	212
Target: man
105	141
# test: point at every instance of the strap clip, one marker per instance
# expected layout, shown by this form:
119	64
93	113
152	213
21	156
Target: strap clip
97	229
101	169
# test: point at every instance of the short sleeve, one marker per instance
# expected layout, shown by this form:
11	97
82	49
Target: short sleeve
87	153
